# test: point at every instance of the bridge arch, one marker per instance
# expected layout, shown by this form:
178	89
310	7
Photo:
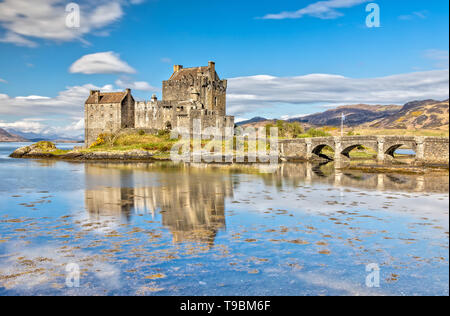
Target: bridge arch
317	150
391	148
348	148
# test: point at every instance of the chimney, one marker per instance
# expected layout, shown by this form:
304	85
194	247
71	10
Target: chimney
176	68
154	98
96	94
212	70
212	66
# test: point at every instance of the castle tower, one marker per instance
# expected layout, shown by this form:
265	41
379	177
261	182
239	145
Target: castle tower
201	84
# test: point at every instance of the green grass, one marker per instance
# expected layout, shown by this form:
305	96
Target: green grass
314	132
160	143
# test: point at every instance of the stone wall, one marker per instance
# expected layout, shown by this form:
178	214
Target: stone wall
101	118
127	118
436	150
427	149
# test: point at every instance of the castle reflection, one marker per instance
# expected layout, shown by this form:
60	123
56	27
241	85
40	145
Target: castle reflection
190	200
191	203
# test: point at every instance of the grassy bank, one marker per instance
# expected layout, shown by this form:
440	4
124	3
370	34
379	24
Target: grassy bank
159	144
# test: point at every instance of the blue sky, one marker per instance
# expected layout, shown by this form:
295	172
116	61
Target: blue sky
271	59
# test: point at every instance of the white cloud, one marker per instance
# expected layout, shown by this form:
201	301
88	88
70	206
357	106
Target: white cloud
256	93
16	39
73	129
3	80
23	21
69	102
288	117
166	60
101	63
135	85
439	56
240	119
320	9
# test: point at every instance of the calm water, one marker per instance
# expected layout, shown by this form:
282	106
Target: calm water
161	229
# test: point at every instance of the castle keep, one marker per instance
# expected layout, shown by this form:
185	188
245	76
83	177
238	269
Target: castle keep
190	93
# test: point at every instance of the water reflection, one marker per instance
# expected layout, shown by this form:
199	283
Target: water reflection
295	229
307	173
191	199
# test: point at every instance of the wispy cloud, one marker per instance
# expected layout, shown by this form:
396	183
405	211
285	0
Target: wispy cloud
439	56
414	15
68	102
259	93
3	80
320	9
166	60
24	22
101	63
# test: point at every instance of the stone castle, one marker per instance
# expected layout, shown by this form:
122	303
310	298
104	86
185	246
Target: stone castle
190	93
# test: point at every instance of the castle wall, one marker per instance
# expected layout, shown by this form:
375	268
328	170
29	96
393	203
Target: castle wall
154	115
191	93
101	118
128	108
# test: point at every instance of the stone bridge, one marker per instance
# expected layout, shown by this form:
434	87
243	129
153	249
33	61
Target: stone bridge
433	150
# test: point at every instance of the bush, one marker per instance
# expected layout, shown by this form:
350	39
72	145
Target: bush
45	145
163	132
141	132
312	132
101	139
286	129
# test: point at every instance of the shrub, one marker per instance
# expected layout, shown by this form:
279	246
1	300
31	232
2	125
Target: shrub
163	132
312	132
141	132
45	145
101	139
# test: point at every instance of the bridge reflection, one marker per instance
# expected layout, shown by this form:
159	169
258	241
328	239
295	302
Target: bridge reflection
190	201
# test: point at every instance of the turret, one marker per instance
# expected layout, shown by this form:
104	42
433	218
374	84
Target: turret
212	70
177	68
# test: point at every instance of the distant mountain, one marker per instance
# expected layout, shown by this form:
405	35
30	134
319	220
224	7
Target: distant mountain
35	137
354	115
253	120
427	114
8	137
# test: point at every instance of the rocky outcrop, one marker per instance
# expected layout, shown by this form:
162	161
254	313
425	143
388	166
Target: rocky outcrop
42	149
50	151
110	155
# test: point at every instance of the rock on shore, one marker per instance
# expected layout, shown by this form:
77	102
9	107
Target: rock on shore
48	150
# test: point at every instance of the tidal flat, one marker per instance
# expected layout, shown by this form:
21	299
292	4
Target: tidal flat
159	228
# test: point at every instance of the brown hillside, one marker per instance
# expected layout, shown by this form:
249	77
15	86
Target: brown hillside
7	137
426	114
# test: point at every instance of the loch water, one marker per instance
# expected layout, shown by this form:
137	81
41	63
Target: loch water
176	229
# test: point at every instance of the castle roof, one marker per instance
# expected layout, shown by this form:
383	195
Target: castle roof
106	97
194	71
